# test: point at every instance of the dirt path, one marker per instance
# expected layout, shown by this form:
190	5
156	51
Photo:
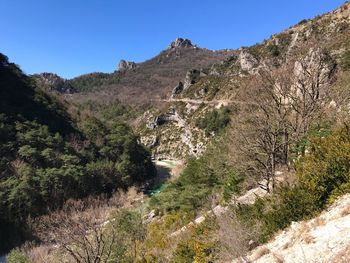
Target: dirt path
209	102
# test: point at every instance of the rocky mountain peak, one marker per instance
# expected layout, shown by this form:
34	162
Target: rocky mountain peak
126	65
181	43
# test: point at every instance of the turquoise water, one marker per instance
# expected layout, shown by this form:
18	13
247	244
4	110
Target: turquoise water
157	190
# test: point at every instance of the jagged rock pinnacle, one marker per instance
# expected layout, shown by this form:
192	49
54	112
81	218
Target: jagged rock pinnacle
181	43
126	65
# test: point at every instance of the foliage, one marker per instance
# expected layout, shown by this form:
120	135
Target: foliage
194	190
16	256
45	160
108	111
199	247
93	81
323	175
133	232
274	50
345	60
183	253
188	193
215	121
232	185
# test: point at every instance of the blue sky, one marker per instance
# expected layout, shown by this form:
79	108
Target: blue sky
73	37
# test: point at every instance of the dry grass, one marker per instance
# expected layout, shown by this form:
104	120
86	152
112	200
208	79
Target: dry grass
343	256
278	258
260	252
346	211
236	239
304	233
43	253
319	221
308	238
71	224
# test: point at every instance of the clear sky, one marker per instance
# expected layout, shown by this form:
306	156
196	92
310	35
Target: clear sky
73	37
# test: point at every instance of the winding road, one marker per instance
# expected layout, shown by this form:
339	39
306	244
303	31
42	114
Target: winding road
209	102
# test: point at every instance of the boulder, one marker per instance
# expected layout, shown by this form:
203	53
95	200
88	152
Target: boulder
247	61
181	43
178	89
126	65
192	76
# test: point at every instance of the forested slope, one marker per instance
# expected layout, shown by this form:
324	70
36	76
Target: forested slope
45	159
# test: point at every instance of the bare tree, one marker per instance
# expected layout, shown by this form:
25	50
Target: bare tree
81	230
309	89
282	103
262	127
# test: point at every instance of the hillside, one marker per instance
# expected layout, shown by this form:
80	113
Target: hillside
253	147
313	53
142	83
48	157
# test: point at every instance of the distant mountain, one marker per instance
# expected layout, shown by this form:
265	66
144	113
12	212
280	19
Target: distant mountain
314	54
53	82
140	83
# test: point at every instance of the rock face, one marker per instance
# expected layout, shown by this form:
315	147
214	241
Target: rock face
191	78
181	43
247	61
316	68
126	65
54	82
178	89
322	239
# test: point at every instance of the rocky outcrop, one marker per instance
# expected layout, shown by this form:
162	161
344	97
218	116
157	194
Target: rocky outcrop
126	65
53	82
152	123
192	76
314	70
153	143
170	115
181	43
172	134
247	61
178	89
323	239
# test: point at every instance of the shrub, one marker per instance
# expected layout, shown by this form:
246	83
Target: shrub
274	50
345	60
214	121
16	256
184	253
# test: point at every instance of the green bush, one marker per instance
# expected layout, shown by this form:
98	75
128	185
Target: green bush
345	60
188	193
16	256
214	121
183	253
213	172
274	50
